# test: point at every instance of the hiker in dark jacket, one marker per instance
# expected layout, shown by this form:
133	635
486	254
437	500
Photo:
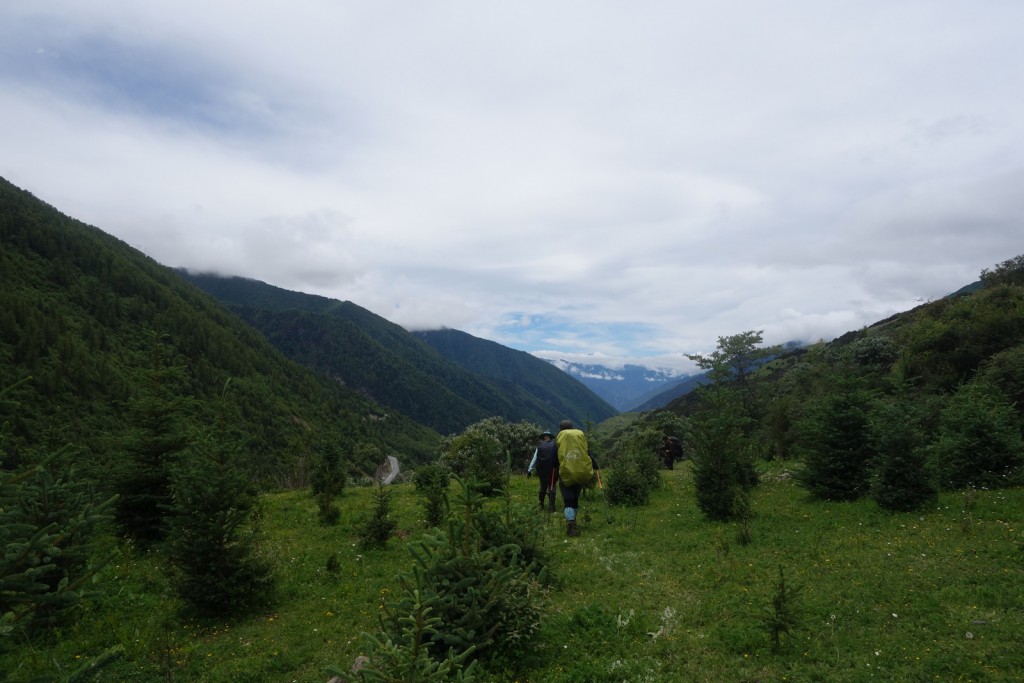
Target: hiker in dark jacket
545	462
671	451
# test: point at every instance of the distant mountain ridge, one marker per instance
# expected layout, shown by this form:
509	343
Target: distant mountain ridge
398	369
624	388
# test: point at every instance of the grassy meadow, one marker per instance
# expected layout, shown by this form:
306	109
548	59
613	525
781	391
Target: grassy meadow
654	593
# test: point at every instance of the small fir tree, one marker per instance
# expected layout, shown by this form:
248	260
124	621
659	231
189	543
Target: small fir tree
979	440
901	480
834	443
783	616
328	482
432	481
49	522
214	539
410	656
723	456
487	600
152	445
377	529
635	473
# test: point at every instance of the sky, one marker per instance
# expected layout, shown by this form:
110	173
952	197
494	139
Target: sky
588	180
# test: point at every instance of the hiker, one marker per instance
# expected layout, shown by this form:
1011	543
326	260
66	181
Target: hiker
671	450
675	450
545	459
575	470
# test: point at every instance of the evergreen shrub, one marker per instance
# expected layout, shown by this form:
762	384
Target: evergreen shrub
979	441
833	442
431	482
723	455
488	600
217	566
376	530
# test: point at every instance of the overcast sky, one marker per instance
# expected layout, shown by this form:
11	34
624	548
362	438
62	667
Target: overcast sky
589	180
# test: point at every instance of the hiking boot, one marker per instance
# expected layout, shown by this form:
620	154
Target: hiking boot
571	529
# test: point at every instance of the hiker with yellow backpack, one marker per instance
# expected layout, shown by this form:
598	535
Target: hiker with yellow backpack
575	470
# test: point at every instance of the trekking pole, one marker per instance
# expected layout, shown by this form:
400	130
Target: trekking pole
604	496
551	493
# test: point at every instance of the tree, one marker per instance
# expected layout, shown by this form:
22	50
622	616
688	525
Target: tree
214	552
901	480
833	442
483	453
634	474
49	520
406	655
735	359
376	530
1009	272
152	444
328	481
431	481
723	457
489	602
979	440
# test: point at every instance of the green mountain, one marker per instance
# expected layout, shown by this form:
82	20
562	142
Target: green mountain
404	371
86	321
532	380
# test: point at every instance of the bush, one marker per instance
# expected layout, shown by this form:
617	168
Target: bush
432	481
633	478
410	657
213	538
328	482
476	457
633	473
48	524
833	442
723	456
979	440
377	529
874	352
487	598
901	481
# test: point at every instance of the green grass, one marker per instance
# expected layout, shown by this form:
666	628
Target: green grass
657	594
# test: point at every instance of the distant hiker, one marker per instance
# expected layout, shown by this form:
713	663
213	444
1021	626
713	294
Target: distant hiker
671	450
545	459
575	470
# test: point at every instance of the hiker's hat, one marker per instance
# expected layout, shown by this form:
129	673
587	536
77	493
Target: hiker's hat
546	433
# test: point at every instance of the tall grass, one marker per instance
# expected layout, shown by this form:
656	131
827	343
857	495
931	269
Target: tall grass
657	594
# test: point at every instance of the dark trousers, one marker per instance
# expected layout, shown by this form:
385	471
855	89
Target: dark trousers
570	495
544	481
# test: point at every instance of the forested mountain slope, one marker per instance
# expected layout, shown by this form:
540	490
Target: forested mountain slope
86	321
925	400
385	362
532	380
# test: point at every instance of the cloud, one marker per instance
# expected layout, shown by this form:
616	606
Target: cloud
587	179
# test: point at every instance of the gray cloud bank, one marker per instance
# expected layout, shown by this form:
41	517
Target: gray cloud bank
594	181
